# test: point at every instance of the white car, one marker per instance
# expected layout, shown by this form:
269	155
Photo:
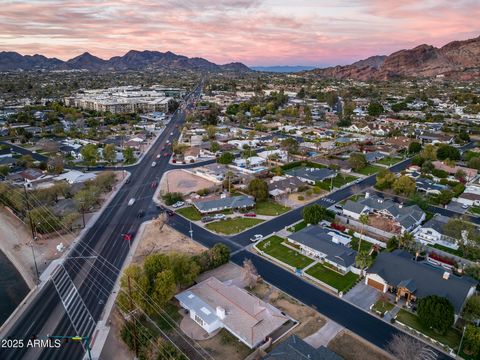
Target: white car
219	216
178	204
154	164
256	237
131	201
158	156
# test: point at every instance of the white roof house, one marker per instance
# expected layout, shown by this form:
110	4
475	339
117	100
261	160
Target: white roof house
214	305
75	176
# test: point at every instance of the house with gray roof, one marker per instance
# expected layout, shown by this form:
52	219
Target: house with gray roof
429	186
226	203
406	217
213	305
374	156
432	232
411	280
294	348
327	245
311	175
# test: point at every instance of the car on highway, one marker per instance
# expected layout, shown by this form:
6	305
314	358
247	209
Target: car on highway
219	216
131	201
178	204
171	134
154	164
166	154
154	184
207	219
163	148
256	237
140	214
250	214
170	212
158	156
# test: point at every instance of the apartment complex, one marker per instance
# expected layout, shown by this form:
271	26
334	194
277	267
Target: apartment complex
125	99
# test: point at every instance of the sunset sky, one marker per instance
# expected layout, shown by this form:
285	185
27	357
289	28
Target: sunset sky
255	32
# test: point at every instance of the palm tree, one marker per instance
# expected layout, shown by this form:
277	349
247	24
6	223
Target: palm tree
364	221
362	260
405	241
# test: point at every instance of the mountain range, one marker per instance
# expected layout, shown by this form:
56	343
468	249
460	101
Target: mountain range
283	68
132	60
457	60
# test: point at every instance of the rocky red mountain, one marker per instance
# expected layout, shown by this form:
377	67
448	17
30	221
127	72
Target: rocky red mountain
456	60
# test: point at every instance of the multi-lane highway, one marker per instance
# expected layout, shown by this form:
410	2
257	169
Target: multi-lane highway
93	278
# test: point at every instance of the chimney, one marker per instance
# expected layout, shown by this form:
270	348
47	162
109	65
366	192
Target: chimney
367	195
221	312
446	275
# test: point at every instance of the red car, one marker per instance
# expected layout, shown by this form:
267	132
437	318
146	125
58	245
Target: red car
166	154
250	215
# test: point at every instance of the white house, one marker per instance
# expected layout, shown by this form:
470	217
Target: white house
214	305
432	232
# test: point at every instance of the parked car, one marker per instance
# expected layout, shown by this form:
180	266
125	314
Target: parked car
178	204
207	219
131	201
250	214
256	237
219	216
165	154
170	212
158	156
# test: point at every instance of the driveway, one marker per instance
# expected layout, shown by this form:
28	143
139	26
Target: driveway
323	336
362	295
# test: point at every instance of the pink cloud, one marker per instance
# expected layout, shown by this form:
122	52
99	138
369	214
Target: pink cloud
251	31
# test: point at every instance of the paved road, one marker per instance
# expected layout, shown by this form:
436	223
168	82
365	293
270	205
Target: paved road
46	314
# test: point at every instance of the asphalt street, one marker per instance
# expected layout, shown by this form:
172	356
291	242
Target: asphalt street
93	277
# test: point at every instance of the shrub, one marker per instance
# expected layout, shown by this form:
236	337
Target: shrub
436	312
172	198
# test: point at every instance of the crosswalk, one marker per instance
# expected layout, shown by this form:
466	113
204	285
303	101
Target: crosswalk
81	319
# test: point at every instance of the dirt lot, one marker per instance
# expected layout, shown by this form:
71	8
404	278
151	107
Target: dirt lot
292	199
309	319
381	223
158	238
183	181
351	347
225	346
15	240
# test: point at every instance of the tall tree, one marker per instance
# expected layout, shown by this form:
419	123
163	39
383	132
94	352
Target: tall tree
258	188
89	153
436	312
109	153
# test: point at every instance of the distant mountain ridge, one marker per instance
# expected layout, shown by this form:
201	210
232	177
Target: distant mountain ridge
283	68
456	60
132	60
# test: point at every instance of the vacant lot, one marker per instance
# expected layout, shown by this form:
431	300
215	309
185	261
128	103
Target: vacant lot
233	225
332	278
184	182
270	208
159	237
352	348
273	247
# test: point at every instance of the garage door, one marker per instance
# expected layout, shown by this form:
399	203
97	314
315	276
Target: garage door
375	284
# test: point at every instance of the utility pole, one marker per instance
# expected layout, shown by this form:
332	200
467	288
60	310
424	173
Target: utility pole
135	346
34	236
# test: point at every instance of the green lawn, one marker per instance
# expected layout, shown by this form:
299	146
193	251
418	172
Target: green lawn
270	208
273	247
232	225
389	161
190	213
382	306
449	250
298	227
338	181
369	170
365	245
475	210
450	338
332	278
